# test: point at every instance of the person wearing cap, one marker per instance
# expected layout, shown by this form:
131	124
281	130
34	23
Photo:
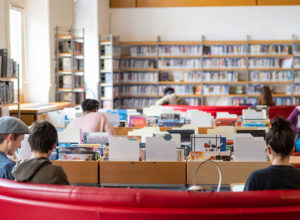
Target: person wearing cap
39	169
12	132
92	120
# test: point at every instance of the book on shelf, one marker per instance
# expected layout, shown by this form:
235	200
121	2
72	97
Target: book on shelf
198	90
215	89
65	81
4	58
225	50
65	46
143	51
274	76
7	92
138	77
272	49
180	50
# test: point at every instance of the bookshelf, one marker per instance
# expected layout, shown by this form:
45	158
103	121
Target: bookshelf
9	76
201	71
69	70
108	87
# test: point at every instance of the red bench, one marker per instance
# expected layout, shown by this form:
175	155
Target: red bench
274	111
37	202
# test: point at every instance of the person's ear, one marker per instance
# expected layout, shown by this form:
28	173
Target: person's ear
268	148
10	137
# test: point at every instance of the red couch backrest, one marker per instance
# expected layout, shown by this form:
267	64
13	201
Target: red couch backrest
34	201
274	111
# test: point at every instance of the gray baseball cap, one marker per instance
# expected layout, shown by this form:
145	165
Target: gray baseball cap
12	125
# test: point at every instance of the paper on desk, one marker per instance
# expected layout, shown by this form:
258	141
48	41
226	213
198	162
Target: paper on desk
69	135
225	131
114	119
200	118
25	151
158	149
225	115
122	149
57	118
175	137
144	132
249	148
253	114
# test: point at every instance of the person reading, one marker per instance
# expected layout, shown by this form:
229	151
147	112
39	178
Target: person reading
266	97
170	98
92	120
12	132
280	175
39	169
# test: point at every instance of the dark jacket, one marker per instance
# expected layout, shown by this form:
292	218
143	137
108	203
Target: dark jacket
39	170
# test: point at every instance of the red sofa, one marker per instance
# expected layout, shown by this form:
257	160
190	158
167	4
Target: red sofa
43	202
274	111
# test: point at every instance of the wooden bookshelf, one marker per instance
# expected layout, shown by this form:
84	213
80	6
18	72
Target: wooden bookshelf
193	3
69	70
278	2
231	61
122	3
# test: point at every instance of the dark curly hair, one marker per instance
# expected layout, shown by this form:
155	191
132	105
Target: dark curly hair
90	105
281	137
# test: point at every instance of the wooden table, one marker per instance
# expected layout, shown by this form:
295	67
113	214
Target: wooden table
142	173
80	171
30	112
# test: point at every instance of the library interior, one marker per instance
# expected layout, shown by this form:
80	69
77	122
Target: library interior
204	94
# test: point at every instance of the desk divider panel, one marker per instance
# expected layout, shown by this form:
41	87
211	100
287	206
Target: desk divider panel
80	171
232	172
115	172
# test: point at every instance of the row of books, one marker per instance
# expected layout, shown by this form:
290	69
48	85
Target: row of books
137	102
180	63
224	63
69	46
235	101
264	63
296	63
109	92
297	89
137	77
143	51
180	50
139	90
69	64
220	76
215	89
138	63
71	97
275	76
8	67
7	92
110	64
67	81
225	50
109	50
270	49
179	89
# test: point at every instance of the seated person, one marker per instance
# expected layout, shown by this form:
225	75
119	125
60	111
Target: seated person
91	120
12	132
280	175
293	119
170	98
38	169
266	97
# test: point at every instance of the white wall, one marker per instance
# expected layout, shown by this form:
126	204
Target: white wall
215	23
37	51
86	16
103	16
3	24
61	14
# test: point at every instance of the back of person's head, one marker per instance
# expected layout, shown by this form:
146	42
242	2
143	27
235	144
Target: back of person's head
169	91
89	105
281	137
42	137
266	97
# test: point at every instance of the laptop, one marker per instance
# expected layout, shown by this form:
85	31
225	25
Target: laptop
237	187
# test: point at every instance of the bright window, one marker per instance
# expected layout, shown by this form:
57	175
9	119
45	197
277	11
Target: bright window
16	38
